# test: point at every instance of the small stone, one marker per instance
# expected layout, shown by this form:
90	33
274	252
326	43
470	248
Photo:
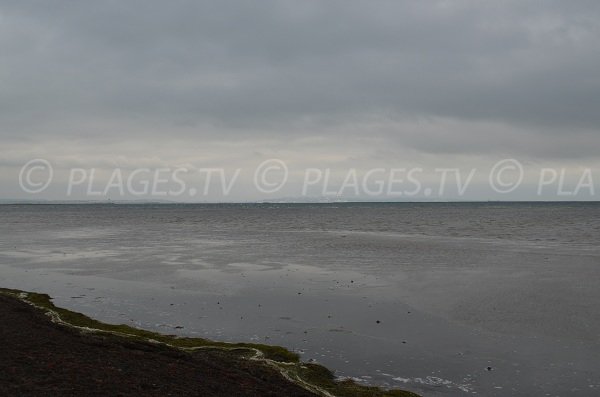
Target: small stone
378	322
489	368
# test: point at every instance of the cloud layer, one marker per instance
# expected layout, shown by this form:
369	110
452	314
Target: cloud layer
188	81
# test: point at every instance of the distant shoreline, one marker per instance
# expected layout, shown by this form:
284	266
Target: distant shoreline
299	203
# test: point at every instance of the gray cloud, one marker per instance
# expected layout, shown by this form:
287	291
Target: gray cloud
439	77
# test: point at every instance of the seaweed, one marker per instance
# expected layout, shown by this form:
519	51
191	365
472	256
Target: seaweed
313	377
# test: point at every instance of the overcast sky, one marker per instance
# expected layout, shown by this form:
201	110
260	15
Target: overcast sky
315	83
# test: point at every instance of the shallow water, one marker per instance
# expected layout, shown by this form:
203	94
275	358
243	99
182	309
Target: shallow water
424	297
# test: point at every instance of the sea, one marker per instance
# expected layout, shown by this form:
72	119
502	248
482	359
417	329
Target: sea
444	299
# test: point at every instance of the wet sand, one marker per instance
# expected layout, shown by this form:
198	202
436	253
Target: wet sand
423	297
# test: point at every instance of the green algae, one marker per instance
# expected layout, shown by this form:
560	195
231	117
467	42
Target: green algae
313	377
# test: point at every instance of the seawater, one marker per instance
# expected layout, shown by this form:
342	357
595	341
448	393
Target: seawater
444	299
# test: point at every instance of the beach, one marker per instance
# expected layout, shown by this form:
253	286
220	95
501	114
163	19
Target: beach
54	352
335	198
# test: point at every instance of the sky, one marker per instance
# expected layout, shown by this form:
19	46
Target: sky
320	85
